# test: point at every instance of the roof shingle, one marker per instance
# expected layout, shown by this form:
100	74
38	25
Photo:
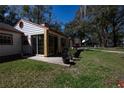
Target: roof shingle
7	27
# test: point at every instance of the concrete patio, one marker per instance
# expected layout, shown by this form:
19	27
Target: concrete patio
53	60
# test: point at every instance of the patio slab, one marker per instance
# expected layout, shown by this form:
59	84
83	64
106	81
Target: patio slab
54	60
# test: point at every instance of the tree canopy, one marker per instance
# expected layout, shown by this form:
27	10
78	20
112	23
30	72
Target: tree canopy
102	25
35	13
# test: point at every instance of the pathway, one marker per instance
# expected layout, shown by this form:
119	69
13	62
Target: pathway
120	52
54	60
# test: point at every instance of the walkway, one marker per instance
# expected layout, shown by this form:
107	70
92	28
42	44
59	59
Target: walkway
54	60
120	52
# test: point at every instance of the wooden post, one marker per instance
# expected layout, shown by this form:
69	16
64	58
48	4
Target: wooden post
46	43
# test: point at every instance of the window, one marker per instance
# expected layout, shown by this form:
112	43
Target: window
40	44
21	24
6	39
63	42
37	44
53	44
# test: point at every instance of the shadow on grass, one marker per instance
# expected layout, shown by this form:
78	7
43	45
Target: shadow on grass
122	57
11	58
70	63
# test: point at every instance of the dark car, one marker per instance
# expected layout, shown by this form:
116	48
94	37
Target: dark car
76	45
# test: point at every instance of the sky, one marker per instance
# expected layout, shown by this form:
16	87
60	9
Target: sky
64	13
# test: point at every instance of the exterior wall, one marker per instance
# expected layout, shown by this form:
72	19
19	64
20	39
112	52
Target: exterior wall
29	28
60	48
27	49
33	29
16	48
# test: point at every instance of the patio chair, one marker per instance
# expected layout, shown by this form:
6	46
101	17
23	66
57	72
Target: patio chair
67	58
77	53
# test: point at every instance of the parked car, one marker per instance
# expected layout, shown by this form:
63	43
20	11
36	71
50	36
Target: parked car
76	45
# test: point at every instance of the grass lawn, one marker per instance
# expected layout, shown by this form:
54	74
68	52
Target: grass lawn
95	69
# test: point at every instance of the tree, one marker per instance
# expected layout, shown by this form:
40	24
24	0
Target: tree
105	22
9	14
3	10
39	13
26	12
108	19
55	26
116	18
102	23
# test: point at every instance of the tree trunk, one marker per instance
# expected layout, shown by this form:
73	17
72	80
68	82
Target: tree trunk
106	37
114	37
38	14
103	37
100	39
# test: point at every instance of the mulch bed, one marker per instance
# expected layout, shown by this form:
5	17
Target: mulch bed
120	83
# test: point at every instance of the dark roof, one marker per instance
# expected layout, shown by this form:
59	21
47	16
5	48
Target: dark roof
61	33
7	27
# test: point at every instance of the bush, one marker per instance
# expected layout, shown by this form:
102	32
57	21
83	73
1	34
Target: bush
72	51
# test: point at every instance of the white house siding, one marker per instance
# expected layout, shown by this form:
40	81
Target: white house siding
29	29
16	48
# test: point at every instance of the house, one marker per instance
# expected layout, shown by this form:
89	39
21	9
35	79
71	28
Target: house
10	40
28	38
40	39
77	42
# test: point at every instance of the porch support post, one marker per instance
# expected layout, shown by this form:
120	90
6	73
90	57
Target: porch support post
46	41
37	44
59	44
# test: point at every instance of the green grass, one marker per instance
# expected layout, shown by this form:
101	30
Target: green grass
95	69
